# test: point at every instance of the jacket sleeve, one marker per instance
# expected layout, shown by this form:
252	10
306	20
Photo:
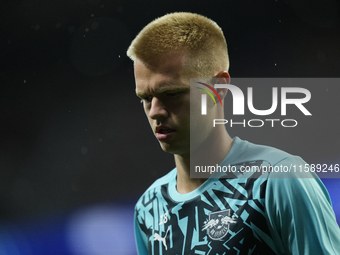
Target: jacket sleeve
300	214
140	237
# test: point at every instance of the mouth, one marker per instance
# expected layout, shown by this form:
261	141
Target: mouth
163	133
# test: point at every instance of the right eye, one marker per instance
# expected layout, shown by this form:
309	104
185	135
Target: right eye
146	100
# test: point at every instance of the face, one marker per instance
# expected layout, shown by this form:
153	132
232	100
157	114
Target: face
165	94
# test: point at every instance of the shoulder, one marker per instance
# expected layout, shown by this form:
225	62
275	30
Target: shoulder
155	188
247	151
164	179
294	202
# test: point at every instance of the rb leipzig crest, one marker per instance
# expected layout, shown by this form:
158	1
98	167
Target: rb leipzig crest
218	224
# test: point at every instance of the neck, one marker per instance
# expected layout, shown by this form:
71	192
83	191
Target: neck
222	145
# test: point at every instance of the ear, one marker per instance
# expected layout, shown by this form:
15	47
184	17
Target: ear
222	77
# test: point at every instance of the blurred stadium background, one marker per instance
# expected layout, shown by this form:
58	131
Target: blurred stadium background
76	150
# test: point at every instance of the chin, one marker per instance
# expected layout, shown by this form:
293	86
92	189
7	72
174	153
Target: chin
173	149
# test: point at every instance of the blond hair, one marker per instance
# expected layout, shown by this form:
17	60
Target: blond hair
200	38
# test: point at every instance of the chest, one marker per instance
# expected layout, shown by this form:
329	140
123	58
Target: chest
228	217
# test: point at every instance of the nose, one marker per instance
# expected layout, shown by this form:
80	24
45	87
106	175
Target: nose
157	109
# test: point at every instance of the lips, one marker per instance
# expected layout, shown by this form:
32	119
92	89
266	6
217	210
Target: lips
163	132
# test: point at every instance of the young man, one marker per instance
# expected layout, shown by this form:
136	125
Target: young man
230	215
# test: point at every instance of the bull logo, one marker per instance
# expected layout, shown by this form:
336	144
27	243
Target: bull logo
218	224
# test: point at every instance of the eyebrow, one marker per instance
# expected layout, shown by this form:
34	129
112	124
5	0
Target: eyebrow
164	88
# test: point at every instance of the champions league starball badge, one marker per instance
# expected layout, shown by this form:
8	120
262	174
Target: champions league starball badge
218	224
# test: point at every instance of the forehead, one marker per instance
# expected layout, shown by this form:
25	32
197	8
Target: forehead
167	73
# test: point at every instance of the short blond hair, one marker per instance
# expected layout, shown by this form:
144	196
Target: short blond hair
201	38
